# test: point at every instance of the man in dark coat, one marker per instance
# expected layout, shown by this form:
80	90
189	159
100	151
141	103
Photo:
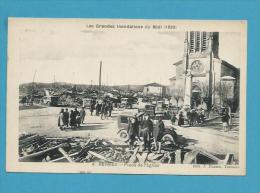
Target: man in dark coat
77	115
131	132
98	108
110	108
82	115
92	106
72	119
147	133
66	117
173	119
181	119
158	133
225	120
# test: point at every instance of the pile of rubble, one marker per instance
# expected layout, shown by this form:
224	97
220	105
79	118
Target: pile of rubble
36	148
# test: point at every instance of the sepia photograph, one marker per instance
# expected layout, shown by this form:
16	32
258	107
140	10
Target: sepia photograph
126	96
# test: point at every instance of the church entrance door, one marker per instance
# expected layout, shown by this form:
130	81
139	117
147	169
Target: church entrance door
196	99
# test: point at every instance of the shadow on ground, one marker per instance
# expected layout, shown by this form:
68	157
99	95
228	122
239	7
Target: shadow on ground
185	141
92	127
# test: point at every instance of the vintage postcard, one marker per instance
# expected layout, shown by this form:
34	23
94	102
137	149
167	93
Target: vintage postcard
126	96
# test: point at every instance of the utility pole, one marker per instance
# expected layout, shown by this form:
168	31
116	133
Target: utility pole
210	72
33	84
188	75
91	82
54	81
100	73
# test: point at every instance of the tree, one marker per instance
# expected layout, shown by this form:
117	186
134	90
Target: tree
205	94
178	94
225	92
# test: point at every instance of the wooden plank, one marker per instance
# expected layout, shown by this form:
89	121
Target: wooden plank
63	159
31	156
210	156
133	157
190	156
65	155
142	158
228	159
28	139
178	156
100	156
153	156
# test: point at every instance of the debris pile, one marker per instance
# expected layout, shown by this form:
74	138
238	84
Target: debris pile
36	148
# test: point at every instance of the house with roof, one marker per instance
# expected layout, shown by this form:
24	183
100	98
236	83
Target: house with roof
154	89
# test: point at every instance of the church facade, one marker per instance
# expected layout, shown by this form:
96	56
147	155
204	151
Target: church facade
202	77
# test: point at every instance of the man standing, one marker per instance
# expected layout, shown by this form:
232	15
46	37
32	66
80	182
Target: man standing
72	119
92	106
181	119
131	133
110	108
147	132
61	119
157	133
225	120
173	119
66	117
82	115
136	127
98	108
77	114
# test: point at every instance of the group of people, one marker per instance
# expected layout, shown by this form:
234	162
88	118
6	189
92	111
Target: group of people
197	116
102	108
148	130
72	119
193	117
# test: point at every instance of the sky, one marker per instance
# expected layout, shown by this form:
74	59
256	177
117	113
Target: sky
72	54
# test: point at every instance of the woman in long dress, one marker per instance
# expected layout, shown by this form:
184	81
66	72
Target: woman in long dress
61	119
72	119
181	119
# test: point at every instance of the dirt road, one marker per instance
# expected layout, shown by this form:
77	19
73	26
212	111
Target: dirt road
44	121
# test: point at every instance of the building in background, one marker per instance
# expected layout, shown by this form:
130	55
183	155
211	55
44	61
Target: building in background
154	89
201	76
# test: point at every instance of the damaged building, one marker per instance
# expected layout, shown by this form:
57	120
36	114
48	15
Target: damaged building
202	76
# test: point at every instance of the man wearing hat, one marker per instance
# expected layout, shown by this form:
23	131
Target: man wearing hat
147	132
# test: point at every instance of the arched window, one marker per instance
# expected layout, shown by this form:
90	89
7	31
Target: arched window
197	47
203	41
192	41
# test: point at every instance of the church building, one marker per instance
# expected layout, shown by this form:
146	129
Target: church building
202	76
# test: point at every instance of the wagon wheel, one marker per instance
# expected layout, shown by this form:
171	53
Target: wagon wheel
168	138
123	135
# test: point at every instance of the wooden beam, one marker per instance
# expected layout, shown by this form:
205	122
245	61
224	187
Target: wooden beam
133	157
65	155
142	158
178	156
31	156
100	156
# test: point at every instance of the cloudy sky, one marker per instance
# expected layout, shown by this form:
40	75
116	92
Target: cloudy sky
72	54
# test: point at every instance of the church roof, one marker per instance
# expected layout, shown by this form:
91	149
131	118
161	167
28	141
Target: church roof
154	84
172	78
229	65
227	78
177	63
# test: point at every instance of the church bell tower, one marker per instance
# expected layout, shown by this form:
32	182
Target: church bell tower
200	48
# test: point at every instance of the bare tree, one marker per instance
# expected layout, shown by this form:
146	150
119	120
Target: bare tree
205	94
204	90
178	94
225	92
